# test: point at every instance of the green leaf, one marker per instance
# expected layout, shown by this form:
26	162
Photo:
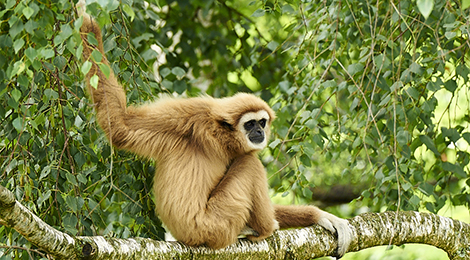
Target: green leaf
426	188
109	5
10	4
258	13
30	53
16	94
305	159
80	159
465	4
28	12
86	66
179	86
47	53
287	8
416	68
72	203
179	72
429	144
450	85
96	55
272	45
275	143
307	192
81	178
451	133
92	39
463	71
94	81
15	27
318	140
39	120
71	178
109	44
165	72
412	92
44	197
167	84
414	200
425	7
129	11
18	44
355	68
51	94
105	69
60	62
455	168
18	68
466	136
403	137
65	32
406	186
18	124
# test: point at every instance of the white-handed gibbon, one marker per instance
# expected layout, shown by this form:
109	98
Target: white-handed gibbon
209	184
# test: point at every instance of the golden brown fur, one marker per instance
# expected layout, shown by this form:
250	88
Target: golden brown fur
209	184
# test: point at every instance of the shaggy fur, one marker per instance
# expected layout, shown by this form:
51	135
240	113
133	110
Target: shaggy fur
209	183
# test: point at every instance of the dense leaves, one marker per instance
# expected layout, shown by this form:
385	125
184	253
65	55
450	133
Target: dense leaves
369	94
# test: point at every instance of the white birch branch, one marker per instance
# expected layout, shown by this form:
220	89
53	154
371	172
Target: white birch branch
370	229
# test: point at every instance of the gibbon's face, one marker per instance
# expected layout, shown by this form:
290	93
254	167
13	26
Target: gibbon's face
254	126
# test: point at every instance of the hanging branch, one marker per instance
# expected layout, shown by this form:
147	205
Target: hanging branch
370	229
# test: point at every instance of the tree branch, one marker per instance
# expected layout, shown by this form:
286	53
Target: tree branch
370	229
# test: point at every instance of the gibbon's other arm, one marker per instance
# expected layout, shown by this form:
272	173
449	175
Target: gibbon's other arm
304	216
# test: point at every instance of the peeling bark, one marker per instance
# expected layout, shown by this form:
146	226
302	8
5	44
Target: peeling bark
370	229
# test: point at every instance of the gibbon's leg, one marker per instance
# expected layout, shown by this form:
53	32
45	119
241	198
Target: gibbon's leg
303	216
262	219
230	204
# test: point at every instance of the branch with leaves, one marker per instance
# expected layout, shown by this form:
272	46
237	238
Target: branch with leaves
370	229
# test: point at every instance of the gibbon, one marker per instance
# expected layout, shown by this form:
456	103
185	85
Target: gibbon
209	184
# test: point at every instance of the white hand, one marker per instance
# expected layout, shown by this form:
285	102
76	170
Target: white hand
339	226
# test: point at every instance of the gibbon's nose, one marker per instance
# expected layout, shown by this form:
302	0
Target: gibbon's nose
257	136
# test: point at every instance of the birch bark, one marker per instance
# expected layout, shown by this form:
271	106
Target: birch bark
370	229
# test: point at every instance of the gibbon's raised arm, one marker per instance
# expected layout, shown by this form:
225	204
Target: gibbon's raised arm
138	129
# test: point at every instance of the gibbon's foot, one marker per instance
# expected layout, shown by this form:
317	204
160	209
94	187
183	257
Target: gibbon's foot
276	225
248	231
337	226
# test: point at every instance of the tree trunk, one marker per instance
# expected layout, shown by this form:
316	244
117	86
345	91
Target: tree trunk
370	229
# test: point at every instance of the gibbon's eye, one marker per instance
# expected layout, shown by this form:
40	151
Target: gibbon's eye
249	125
262	122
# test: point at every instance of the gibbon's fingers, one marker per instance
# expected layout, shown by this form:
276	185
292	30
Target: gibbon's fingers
337	226
81	8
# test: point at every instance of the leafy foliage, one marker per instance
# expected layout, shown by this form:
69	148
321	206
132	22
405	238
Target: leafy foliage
372	94
381	97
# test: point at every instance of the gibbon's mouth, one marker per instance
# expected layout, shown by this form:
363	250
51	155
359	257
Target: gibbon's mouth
256	139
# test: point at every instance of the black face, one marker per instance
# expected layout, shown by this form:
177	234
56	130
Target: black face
255	130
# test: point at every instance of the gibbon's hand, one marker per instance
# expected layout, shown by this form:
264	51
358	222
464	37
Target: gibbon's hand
337	226
81	8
